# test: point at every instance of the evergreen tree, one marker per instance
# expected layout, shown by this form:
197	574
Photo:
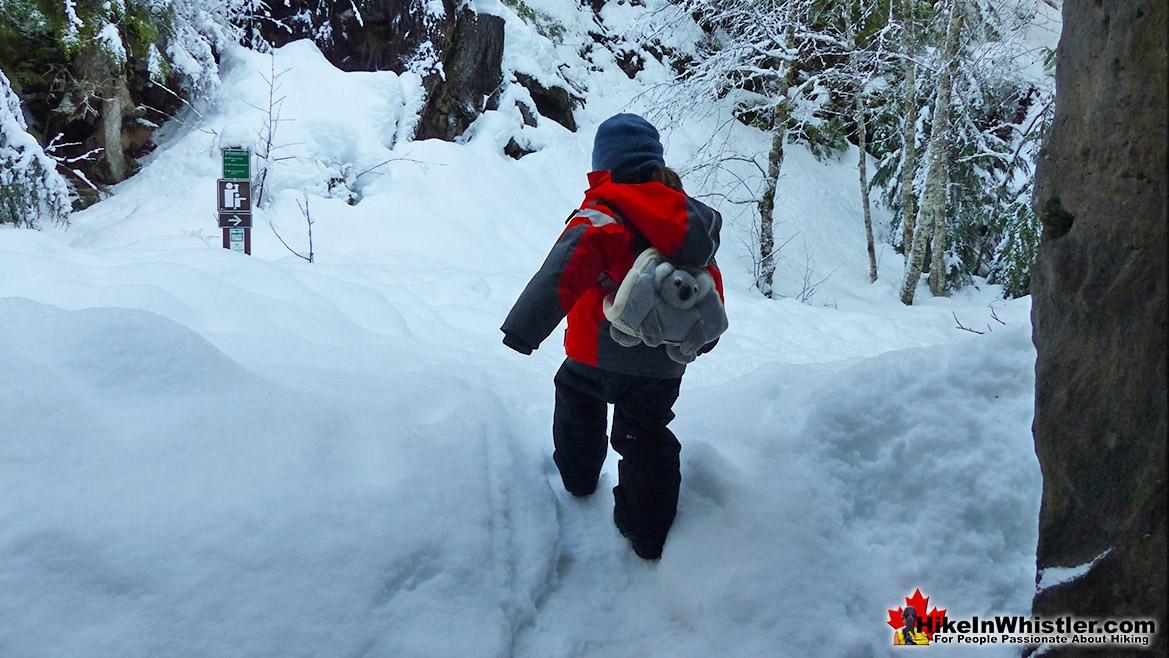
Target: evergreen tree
1000	96
86	68
1003	110
31	190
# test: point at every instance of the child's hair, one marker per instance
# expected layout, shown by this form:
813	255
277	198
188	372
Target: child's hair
667	177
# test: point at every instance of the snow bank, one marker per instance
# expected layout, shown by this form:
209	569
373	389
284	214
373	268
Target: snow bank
389	510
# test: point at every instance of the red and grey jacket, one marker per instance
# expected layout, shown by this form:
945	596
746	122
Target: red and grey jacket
603	238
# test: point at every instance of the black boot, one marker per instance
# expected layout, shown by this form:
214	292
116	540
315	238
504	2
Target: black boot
644	550
645	499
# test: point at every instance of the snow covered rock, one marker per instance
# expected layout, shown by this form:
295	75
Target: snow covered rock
472	71
365	35
553	102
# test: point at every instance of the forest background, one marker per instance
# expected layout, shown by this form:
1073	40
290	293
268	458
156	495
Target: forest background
948	99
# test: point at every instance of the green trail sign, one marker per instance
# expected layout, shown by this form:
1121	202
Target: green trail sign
237	164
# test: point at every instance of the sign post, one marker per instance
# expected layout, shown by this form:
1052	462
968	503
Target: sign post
234	198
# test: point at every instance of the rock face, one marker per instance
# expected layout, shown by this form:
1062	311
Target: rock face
473	71
553	102
394	35
367	35
1099	316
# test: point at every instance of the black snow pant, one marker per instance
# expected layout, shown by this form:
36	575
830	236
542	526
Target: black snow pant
646	496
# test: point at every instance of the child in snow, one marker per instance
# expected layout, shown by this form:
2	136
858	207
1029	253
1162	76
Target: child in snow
633	202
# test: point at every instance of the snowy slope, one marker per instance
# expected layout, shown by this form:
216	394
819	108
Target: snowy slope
208	454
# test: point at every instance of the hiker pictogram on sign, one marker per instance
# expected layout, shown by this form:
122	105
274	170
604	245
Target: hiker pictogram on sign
235	196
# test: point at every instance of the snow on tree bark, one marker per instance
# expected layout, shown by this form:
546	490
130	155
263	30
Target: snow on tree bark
862	139
909	132
774	166
767	203
937	278
932	215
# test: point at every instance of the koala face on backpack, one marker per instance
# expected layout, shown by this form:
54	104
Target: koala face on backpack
659	304
678	288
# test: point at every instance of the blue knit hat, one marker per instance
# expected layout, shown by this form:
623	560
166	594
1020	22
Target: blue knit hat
627	146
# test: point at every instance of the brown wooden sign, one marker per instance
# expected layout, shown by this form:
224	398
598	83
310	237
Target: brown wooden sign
235	220
235	196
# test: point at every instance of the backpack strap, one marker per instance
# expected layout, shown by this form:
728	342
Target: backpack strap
606	281
600	218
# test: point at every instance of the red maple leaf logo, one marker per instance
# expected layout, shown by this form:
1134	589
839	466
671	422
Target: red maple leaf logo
919	603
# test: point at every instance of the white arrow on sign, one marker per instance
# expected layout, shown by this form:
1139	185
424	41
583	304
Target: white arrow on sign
235	220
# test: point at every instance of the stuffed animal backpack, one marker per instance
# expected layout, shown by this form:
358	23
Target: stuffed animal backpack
659	303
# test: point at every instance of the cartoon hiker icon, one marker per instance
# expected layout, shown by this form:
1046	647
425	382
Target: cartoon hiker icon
908	634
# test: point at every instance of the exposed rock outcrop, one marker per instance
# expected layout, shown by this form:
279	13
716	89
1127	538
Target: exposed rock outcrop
515	151
631	62
1099	315
472	66
553	102
368	35
526	114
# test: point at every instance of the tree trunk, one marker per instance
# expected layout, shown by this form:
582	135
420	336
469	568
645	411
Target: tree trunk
938	252
767	204
909	136
766	275
862	139
112	112
932	216
945	88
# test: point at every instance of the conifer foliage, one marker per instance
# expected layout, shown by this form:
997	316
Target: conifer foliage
999	88
31	191
97	77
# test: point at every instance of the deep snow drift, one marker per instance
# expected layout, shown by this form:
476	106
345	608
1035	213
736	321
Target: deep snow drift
209	454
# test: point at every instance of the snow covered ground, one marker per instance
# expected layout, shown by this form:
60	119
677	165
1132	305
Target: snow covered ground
209	454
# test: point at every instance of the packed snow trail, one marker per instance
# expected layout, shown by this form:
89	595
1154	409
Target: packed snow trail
184	505
208	454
